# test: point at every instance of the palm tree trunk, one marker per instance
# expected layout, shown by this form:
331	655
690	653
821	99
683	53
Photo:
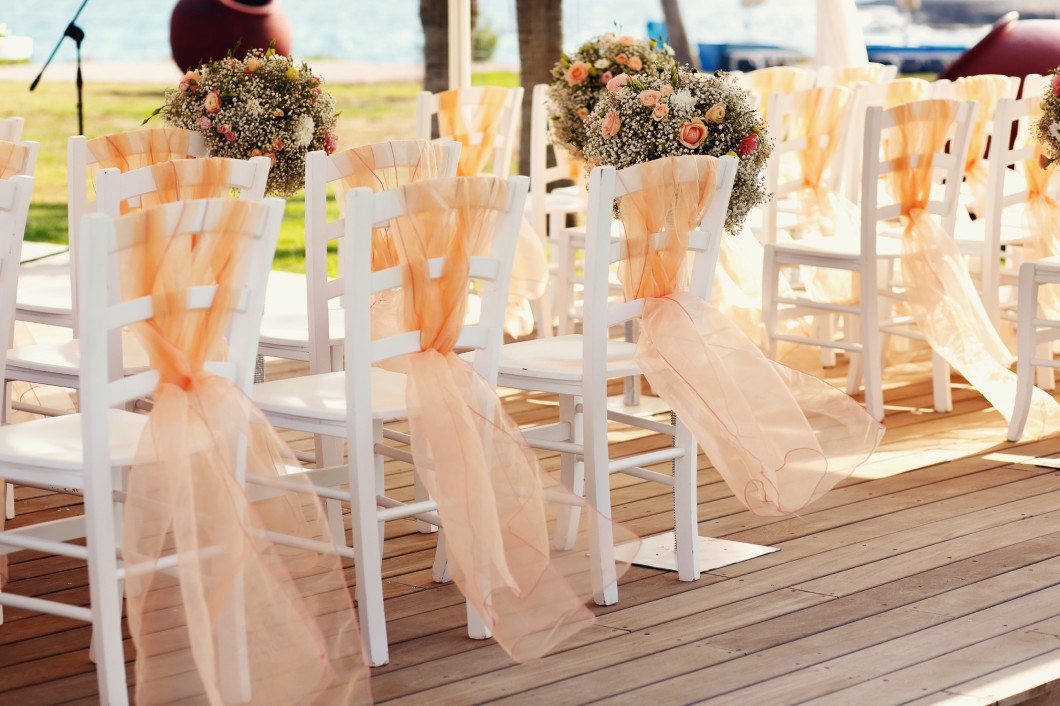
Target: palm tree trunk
675	27
540	46
434	16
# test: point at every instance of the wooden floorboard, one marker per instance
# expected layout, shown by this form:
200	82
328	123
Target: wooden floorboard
930	576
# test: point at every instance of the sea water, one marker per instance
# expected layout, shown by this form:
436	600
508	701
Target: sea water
389	31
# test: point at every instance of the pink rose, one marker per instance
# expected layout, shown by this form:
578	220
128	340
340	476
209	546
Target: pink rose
626	40
212	102
649	98
716	113
660	111
617	83
224	129
578	73
190	81
621	59
666	90
635	63
611	125
230	136
747	145
331	142
583	113
205	123
607	36
605	77
692	134
1056	85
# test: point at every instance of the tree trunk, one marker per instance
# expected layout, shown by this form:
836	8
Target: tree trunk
434	16
675	28
540	46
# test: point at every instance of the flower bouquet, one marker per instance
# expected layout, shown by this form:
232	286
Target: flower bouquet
1048	127
264	104
579	79
641	118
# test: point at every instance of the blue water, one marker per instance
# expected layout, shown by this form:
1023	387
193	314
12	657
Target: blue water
389	30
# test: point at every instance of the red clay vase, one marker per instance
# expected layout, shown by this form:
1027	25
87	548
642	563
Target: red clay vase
202	30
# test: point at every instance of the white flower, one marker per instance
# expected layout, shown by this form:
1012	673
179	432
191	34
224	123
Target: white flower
683	100
602	63
303	130
253	106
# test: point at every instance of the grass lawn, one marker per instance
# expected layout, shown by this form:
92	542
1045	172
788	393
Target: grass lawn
369	113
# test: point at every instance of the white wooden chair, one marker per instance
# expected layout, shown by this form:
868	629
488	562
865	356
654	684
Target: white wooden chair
84	453
1035	334
1034	86
297	308
872	259
548	208
59	362
11	129
470	99
321	403
762	83
833	75
46	290
578	366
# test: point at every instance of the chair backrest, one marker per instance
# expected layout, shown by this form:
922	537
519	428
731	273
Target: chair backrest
542	175
947	167
852	75
15	193
492	272
82	162
321	171
788	126
117	189
1034	86
762	83
601	251
29	164
99	284
469	101
11	129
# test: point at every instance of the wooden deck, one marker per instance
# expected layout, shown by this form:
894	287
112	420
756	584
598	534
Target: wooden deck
932	576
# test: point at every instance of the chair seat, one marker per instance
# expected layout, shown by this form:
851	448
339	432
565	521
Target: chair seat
566	199
64	357
839	248
33	250
323	396
560	358
285	323
44	286
55	442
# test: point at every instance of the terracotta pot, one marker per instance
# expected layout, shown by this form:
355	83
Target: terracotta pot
201	30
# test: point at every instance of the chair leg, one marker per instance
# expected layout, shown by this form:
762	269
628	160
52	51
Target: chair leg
1044	376
476	627
9	501
871	351
564	284
598	495
686	517
105	597
940	381
572	475
769	300
1027	307
368	564
825	331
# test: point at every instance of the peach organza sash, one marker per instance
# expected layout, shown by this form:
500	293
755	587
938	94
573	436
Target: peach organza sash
238	608
780	438
1042	218
820	114
905	90
776	79
942	298
13	158
986	91
182	179
851	76
471	456
140	148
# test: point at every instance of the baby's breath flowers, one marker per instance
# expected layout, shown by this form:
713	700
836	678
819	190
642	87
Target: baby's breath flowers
262	105
641	118
1048	127
579	78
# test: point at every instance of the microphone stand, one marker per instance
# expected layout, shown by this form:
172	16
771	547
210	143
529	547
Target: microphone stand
77	34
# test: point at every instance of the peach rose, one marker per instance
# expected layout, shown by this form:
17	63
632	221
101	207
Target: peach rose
254	153
611	125
212	102
626	40
666	90
578	73
692	134
190	81
277	113
716	113
204	122
277	144
660	111
583	113
635	63
607	36
621	59
1056	85
251	65
747	145
605	77
617	83
649	98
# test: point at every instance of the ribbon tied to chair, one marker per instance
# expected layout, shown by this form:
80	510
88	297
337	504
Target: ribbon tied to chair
1042	217
238	617
12	158
987	92
140	148
942	297
780	438
472	458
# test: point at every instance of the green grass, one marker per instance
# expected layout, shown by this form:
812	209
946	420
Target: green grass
368	113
